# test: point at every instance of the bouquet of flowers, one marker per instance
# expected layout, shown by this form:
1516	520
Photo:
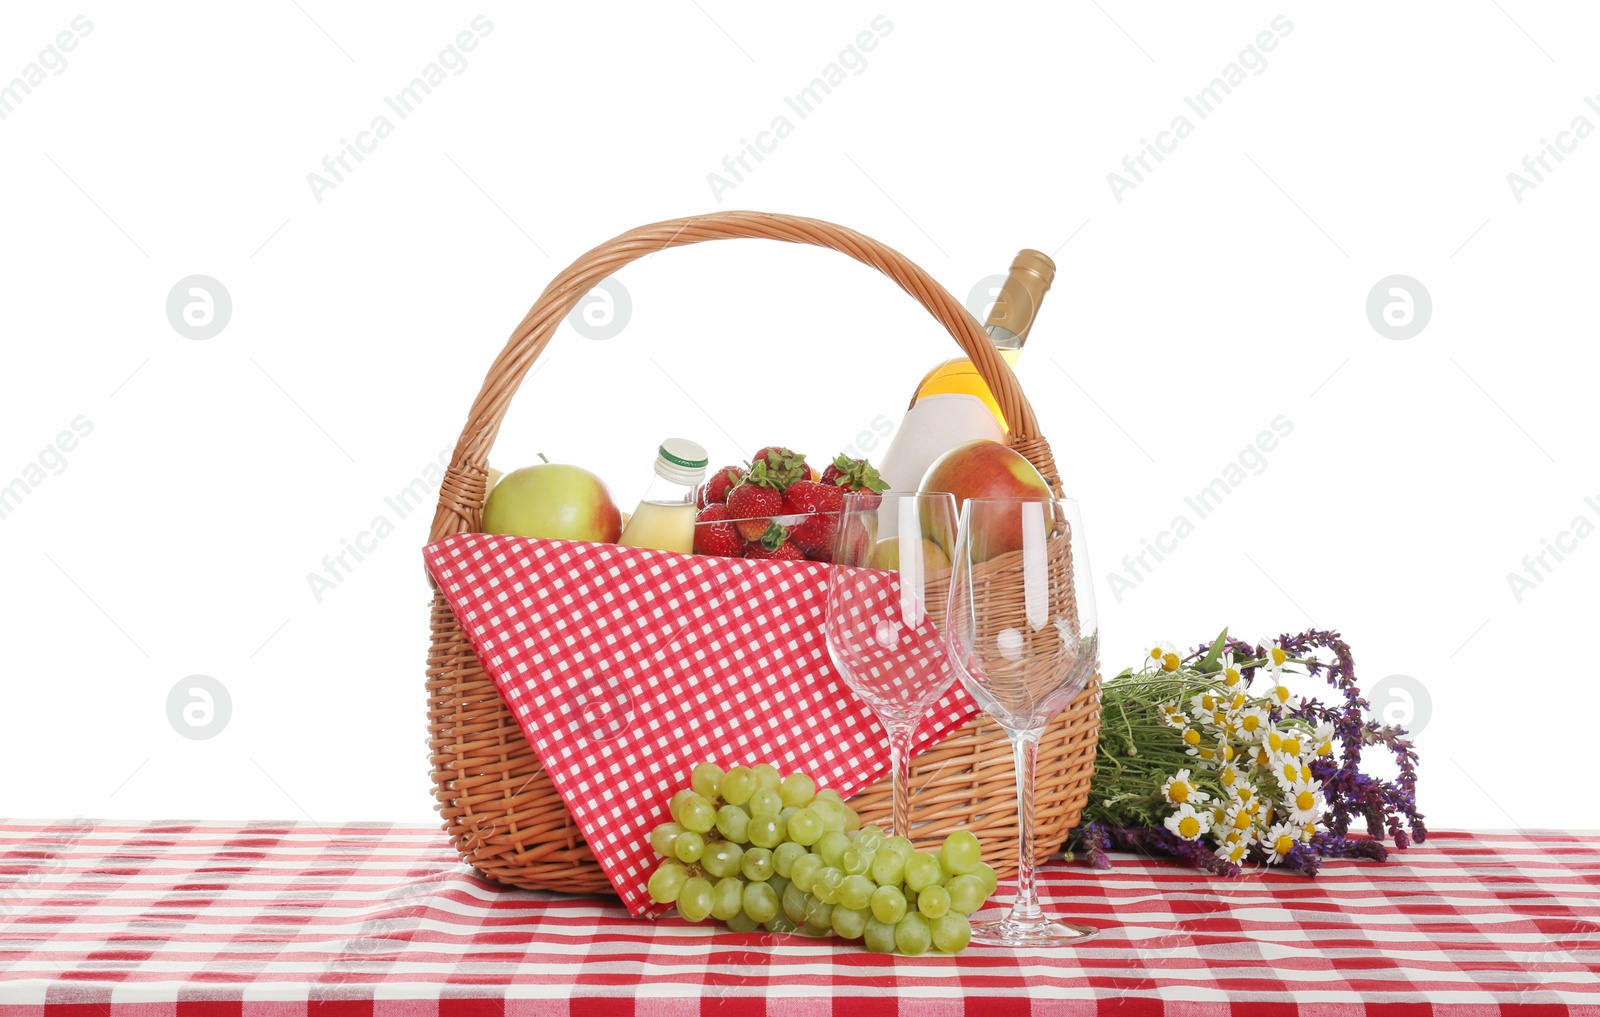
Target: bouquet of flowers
1201	758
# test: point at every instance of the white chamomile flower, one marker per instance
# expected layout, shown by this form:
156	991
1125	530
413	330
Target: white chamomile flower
1275	657
1246	836
1202	706
1233	851
1229	774
1173	716
1180	789
1253	722
1162	657
1322	739
1281	696
1237	818
1231	676
1307	832
1304	801
1189	824
1245	795
1280	840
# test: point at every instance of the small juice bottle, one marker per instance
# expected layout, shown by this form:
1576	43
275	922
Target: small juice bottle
664	519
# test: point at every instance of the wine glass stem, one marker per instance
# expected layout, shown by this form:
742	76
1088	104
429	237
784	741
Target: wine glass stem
900	735
1025	753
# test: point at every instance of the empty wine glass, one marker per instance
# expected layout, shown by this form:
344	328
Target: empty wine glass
888	590
1024	641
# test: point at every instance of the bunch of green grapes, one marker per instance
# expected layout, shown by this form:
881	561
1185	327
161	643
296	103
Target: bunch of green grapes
755	849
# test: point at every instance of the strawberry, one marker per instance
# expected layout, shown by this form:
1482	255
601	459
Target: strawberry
754	500
715	490
855	475
775	545
716	534
820	503
785	466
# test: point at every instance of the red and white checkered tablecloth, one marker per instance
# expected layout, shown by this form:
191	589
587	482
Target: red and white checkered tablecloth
290	919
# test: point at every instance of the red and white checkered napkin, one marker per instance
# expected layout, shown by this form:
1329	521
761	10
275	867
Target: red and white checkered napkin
625	667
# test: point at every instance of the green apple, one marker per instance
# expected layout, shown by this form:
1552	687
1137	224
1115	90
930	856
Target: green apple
886	555
555	501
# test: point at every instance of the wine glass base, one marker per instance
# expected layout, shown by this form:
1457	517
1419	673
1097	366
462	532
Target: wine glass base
1040	932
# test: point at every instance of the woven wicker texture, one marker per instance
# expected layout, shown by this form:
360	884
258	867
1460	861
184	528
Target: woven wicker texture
497	804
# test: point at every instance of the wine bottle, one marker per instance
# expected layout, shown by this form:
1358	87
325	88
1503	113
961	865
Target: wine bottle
952	404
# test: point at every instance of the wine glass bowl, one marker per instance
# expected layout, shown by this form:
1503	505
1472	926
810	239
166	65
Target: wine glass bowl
884	626
1024	641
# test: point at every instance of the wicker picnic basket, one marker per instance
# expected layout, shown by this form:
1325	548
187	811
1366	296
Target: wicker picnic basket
498	805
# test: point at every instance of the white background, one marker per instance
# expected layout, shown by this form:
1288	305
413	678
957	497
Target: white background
1226	289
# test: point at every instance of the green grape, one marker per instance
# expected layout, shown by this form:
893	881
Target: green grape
961	852
812	932
830	795
697	814
934	902
849	922
757	865
760	902
742	922
911	898
694	900
868	838
805	827
675	803
667	882
879	935
767	776
727	898
901	846
821	891
765	804
785	855
706	780
855	861
661	838
888	904
738	784
689	846
913	935
766	833
952	933
986	872
733	823
852	820
797	790
784	814
795	902
804	871
721	858
888	868
966	893
831	879
778	884
923	870
820	914
856	891
832	847
831	813
782	924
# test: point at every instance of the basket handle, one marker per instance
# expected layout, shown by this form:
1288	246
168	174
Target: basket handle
463	493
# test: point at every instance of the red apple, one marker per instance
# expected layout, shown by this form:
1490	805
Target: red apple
555	501
988	469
